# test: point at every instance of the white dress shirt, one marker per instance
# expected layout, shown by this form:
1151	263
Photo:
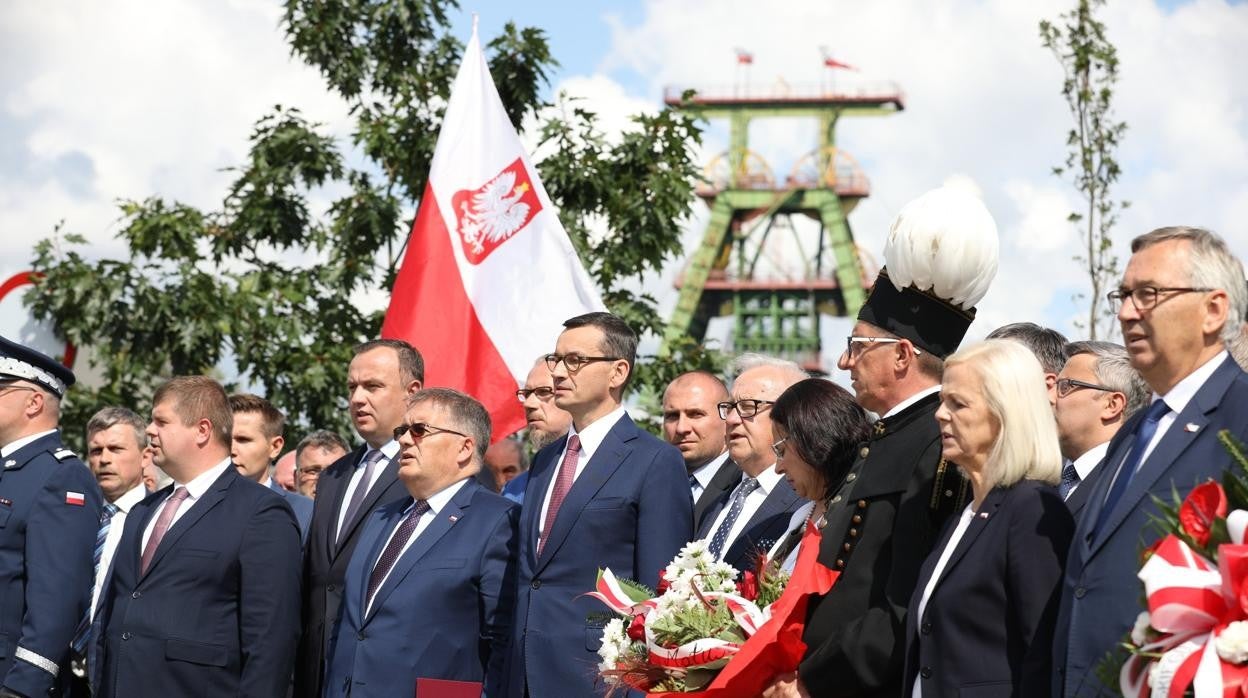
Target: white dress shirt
436	504
591	439
12	447
702	476
796	522
1178	397
388	452
911	400
1085	464
124	503
767	481
194	490
960	530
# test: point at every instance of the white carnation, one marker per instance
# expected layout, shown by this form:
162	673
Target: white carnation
615	643
1232	643
1139	633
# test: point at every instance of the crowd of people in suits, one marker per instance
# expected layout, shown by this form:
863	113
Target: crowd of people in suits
983	505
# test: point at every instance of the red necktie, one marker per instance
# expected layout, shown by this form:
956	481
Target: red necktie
563	483
162	525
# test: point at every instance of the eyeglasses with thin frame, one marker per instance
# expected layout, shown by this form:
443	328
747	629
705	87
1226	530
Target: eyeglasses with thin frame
1066	386
5	389
853	353
1146	297
574	362
778	448
745	408
543	393
420	430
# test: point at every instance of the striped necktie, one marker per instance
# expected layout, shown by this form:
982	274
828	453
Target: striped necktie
84	625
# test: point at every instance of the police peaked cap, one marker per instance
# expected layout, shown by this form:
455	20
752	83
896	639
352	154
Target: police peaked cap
19	362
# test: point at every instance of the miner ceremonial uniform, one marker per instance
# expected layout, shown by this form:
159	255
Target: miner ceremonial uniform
49	514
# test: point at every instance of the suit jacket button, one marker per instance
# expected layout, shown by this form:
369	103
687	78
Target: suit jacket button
136	594
926	628
857	518
537	584
862	504
847	547
840	563
125	636
361	636
851	477
1079	592
330	587
853	532
864	452
925	672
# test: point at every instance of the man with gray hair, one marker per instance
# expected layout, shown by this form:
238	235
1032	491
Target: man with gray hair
1181	300
751	517
1048	345
1097	391
316	452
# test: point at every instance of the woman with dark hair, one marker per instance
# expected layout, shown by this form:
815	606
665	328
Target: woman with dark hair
818	426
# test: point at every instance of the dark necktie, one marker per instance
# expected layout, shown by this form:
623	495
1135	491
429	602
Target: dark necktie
394	549
739	495
563	483
1143	435
371	459
162	524
106	520
1070	479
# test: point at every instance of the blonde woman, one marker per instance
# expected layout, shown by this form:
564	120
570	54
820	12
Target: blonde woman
982	615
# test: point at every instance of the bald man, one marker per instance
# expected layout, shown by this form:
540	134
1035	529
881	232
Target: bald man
691	423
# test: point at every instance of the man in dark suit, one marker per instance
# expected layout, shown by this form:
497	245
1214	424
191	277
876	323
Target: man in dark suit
429	590
1181	299
1097	391
382	375
257	440
691	423
191	603
546	422
609	495
756	511
49	515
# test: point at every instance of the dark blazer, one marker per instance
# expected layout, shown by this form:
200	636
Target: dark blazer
768	524
47	535
213	614
445	610
882	523
1100	592
720	486
630	510
325	562
299	504
987	629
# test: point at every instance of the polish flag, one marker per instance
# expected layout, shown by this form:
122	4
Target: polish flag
489	274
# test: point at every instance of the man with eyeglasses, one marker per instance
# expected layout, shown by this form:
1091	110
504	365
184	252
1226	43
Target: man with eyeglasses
755	513
49	516
546	421
1181	299
608	495
1097	391
381	376
428	595
692	423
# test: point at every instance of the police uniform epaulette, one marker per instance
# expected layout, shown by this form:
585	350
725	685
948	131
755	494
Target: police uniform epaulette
63	454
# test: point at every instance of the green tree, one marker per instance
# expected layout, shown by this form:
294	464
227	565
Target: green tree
1090	67
271	284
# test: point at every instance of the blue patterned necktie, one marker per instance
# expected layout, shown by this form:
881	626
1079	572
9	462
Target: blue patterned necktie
1143	436
1070	478
739	495
84	626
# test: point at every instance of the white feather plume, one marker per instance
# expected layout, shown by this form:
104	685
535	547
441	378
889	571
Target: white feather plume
944	242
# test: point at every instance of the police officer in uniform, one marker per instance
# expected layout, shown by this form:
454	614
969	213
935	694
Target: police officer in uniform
49	514
883	520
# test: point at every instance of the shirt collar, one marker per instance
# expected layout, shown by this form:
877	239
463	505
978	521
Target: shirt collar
389	449
1183	392
593	434
443	497
1085	463
899	407
768	479
200	484
707	472
13	447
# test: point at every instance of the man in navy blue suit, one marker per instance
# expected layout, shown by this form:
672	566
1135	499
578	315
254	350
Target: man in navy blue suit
49	514
191	606
256	440
607	495
1181	299
428	593
755	513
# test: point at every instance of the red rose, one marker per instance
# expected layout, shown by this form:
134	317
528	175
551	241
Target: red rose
1204	505
747	588
637	629
663	584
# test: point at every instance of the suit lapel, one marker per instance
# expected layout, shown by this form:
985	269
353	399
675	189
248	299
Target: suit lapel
389	476
778	500
540	475
982	518
334	489
605	461
425	540
137	521
725	479
372	542
216	492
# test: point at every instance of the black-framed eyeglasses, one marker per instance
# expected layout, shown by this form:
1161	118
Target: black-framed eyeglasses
574	362
543	393
778	448
1146	297
744	408
865	343
420	430
1066	386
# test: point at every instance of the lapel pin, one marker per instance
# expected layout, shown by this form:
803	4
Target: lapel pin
10	463
983	514
453	518
1191	427
8	502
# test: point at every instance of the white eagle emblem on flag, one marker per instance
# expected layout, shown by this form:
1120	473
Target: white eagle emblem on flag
492	214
